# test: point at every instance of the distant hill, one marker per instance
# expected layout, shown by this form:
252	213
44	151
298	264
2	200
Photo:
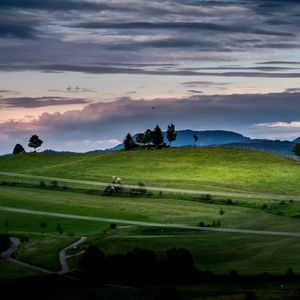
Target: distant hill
206	138
229	139
297	140
277	147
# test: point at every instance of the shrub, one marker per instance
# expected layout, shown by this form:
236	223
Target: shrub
54	184
113	226
4	242
42	184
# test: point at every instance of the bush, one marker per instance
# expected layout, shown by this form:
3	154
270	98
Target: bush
4	242
54	184
42	184
113	226
250	296
59	228
92	260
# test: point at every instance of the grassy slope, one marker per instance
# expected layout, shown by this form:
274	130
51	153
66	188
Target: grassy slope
214	251
203	168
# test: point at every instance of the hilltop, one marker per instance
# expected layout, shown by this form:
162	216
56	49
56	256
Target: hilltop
205	168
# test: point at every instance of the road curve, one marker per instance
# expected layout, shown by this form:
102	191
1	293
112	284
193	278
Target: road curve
149	224
240	194
63	257
8	255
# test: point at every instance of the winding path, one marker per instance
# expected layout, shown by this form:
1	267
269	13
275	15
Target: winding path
149	224
15	243
241	194
63	257
8	255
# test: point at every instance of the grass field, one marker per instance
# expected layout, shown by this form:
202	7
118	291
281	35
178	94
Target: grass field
214	251
204	168
213	169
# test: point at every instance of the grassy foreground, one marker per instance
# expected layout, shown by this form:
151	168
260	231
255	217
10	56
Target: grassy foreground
249	254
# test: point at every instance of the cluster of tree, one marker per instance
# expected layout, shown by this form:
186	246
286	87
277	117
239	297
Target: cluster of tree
143	266
150	139
34	142
296	150
4	242
116	188
139	265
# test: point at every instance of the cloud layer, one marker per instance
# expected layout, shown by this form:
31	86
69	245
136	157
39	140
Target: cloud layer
267	115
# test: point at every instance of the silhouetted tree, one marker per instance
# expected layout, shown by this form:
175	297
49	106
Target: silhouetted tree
296	150
128	142
35	142
171	134
4	242
168	293
196	138
157	137
59	228
18	149
92	260
148	136
43	226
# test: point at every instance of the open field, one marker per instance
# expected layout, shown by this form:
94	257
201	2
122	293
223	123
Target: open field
249	254
262	186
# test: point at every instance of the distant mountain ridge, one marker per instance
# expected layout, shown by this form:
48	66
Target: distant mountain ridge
228	139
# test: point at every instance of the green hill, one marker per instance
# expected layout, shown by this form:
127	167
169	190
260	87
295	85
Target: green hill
210	168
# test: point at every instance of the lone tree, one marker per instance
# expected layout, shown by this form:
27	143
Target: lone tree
171	134
157	137
128	142
148	137
35	142
296	150
18	149
196	138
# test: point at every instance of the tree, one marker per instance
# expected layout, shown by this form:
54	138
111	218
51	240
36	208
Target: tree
196	138
35	142
18	149
128	142
141	138
43	226
59	228
157	137
148	136
171	134
296	150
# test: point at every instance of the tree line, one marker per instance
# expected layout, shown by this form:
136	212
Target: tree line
153	139
150	139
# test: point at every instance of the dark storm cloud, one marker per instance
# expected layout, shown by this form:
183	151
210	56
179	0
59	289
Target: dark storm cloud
293	90
52	5
12	27
181	25
28	102
135	71
278	63
203	83
195	91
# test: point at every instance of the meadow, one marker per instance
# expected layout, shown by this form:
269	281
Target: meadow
244	172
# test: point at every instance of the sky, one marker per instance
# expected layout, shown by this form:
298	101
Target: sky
83	73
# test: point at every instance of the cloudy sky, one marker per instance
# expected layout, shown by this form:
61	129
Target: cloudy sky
81	74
